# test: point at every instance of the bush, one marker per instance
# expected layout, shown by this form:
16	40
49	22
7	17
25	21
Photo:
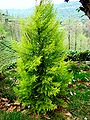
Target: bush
78	56
84	56
40	62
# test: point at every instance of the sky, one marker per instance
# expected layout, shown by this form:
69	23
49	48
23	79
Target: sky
22	4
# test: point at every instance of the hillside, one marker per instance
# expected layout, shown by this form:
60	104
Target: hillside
64	10
69	10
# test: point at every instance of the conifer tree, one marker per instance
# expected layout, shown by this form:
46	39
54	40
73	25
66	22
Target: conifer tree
40	61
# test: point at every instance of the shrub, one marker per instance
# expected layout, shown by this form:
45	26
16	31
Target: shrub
40	60
78	56
84	56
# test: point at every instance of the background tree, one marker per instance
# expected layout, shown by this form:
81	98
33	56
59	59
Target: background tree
77	35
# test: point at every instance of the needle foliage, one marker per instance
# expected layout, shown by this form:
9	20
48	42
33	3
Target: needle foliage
43	71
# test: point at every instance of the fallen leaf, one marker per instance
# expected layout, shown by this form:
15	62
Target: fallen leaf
4	99
68	114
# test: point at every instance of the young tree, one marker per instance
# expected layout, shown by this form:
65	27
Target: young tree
40	63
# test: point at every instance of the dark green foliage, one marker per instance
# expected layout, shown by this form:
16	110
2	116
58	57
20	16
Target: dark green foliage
73	67
84	56
40	62
71	55
78	56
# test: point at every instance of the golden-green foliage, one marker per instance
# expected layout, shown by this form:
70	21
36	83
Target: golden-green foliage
40	60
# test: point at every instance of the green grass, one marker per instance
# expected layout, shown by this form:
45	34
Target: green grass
79	104
79	97
13	116
19	116
84	76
